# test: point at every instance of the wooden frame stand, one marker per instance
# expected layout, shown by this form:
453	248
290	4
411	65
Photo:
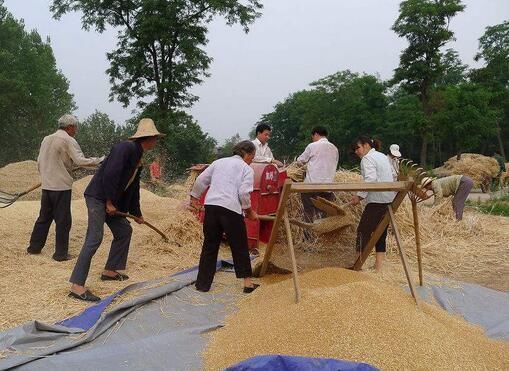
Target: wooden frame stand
402	189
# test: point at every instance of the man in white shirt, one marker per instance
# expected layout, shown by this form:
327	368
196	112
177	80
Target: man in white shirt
321	157
263	152
58	155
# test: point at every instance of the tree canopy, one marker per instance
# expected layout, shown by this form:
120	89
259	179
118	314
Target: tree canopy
33	92
160	53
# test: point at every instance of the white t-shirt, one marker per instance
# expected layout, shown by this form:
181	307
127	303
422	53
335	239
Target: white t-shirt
231	182
322	159
263	152
375	167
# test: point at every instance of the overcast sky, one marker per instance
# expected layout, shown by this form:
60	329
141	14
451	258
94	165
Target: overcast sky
294	43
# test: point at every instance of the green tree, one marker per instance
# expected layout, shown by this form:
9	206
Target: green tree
98	133
404	114
184	144
227	148
160	43
346	103
425	24
33	92
465	109
494	50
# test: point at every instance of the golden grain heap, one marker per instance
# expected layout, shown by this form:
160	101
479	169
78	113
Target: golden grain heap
348	315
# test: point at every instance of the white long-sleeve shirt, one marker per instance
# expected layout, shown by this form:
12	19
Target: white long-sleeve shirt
322	159
263	152
58	155
375	167
231	183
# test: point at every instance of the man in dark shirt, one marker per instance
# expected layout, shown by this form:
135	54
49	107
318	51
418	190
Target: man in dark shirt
115	187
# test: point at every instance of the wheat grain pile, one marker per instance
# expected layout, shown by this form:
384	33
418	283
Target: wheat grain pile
347	315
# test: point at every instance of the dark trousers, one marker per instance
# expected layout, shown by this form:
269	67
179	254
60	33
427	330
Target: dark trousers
219	220
458	201
55	205
310	211
370	218
122	231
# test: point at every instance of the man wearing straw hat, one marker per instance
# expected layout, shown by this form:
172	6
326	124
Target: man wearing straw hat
115	187
58	155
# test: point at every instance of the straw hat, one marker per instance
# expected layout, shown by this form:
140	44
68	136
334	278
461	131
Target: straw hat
394	148
146	128
426	181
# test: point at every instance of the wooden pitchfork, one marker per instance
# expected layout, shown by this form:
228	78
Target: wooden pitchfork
7	199
165	237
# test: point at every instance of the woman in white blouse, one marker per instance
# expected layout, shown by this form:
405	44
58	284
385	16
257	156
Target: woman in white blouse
375	167
230	183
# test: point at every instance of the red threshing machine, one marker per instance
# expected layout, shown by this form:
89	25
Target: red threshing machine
268	181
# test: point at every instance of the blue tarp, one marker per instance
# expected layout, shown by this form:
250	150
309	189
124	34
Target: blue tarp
294	363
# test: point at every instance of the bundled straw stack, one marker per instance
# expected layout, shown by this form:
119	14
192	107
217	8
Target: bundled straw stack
478	167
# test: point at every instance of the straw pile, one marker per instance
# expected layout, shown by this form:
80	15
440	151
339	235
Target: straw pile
296	171
472	250
20	176
347	315
478	167
36	287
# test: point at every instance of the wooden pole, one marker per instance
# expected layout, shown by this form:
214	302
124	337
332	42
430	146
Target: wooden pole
285	193
417	238
289	240
402	252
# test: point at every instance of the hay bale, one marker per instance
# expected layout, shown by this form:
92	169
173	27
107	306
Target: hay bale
478	167
349	315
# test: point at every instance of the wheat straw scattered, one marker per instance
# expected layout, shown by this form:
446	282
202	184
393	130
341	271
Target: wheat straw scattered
36	287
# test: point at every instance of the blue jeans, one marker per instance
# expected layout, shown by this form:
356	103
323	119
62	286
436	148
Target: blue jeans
122	231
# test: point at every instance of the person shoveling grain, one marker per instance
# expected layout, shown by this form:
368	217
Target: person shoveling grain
115	187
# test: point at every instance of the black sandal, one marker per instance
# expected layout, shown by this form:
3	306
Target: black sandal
86	296
249	290
117	277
